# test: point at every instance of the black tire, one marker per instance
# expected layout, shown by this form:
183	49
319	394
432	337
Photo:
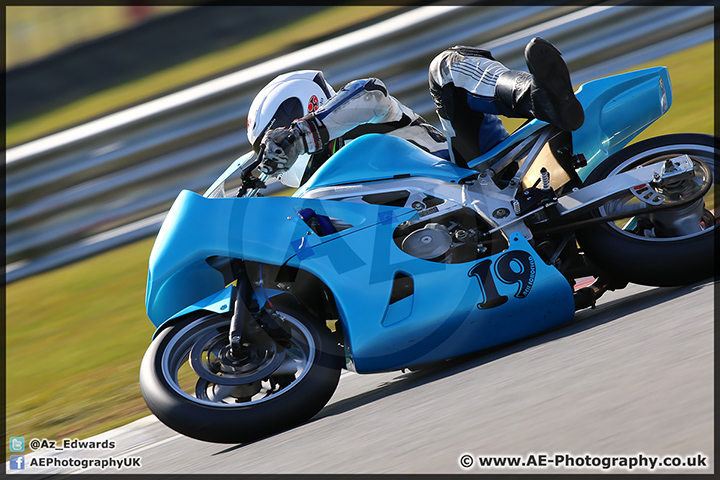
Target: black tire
660	260
303	395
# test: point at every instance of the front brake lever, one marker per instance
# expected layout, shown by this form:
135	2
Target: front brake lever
253	184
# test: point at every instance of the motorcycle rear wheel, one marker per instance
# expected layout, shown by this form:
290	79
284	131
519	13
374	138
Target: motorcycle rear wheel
222	408
637	249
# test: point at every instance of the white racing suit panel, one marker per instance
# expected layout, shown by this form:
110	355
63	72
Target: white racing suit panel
366	101
467	69
360	101
424	136
462	84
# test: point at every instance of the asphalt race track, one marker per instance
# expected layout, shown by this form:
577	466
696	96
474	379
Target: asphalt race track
632	377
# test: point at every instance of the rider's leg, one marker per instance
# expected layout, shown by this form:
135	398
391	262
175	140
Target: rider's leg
468	86
462	84
546	92
468	131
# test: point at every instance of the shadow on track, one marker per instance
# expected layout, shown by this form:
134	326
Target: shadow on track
583	320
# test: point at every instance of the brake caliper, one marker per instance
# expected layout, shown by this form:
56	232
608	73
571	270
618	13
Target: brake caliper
671	177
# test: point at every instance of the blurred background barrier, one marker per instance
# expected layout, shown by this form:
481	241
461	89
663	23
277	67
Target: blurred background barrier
32	33
143	40
109	182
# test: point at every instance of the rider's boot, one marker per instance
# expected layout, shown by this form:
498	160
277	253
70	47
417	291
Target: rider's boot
587	296
546	92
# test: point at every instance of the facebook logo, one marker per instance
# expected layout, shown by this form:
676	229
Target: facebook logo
17	462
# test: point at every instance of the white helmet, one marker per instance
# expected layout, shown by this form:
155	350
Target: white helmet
288	97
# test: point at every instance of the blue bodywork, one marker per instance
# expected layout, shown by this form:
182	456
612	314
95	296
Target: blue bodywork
449	311
617	109
381	157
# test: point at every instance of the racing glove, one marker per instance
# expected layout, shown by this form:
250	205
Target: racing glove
282	146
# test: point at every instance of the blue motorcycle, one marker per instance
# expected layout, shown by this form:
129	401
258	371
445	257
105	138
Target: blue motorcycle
391	258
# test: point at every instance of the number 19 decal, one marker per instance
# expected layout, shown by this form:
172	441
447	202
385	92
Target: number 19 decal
513	267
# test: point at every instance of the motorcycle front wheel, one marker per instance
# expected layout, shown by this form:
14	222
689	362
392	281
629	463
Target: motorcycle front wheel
670	247
192	384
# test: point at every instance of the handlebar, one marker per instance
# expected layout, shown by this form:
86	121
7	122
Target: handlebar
251	184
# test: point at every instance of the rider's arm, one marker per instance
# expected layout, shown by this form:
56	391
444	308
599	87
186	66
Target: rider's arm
364	106
360	102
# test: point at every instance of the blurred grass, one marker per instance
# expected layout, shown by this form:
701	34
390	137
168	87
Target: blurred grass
326	22
692	74
75	336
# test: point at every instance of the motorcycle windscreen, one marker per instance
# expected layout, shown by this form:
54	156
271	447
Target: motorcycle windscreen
293	176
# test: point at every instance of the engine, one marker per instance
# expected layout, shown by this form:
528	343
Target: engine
457	236
445	231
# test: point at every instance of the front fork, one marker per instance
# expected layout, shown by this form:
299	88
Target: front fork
249	320
241	314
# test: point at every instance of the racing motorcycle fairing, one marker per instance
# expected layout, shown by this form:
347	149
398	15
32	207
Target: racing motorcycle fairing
466	306
617	109
267	230
381	157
